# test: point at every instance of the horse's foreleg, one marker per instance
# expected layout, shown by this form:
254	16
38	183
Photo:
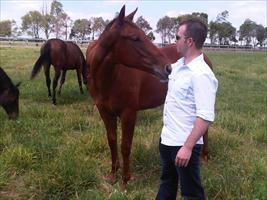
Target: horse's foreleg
110	122
128	120
57	75
62	80
47	77
205	148
79	80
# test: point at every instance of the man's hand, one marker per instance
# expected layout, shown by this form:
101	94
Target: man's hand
183	156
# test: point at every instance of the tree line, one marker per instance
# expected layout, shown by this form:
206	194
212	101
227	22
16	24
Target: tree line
55	20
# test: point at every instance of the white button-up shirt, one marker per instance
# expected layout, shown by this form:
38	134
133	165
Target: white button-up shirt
191	93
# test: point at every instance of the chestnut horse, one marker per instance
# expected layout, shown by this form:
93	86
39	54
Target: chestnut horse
63	56
118	89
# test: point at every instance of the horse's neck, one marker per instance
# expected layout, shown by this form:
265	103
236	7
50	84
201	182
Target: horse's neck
5	81
101	69
171	53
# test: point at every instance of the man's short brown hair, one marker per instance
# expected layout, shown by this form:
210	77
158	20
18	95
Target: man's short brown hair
197	30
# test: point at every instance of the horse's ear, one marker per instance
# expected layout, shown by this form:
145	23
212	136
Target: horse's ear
131	16
122	14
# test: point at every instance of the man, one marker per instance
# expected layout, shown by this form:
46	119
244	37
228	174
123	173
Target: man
188	111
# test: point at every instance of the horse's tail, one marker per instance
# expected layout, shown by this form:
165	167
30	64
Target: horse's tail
44	57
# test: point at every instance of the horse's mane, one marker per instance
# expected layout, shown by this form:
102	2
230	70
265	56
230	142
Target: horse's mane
107	27
112	22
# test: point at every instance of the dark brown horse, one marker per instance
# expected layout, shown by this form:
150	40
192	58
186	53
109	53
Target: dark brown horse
63	56
9	95
118	89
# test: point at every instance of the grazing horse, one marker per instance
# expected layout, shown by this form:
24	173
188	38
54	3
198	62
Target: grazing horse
63	56
9	95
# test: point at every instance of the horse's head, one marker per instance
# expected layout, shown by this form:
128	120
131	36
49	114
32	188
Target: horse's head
9	100
129	45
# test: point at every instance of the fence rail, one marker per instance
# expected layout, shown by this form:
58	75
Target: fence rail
10	42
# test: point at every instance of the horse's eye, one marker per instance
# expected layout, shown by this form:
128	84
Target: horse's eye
135	38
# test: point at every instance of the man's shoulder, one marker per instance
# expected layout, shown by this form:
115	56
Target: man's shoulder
202	68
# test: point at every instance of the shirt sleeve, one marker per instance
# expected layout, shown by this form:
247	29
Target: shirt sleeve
205	87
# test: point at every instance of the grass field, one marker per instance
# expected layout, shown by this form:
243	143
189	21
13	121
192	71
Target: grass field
61	152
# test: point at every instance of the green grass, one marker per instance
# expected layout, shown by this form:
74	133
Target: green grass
61	152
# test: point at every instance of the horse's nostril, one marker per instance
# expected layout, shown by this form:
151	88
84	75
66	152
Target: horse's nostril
168	68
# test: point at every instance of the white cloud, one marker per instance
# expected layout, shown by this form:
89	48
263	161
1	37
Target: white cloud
16	9
112	2
82	15
152	11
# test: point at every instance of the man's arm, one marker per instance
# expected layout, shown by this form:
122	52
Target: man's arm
184	154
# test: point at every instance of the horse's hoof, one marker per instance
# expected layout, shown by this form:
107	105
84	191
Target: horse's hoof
204	159
123	186
126	182
110	178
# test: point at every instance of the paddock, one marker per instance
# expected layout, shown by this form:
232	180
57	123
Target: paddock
61	152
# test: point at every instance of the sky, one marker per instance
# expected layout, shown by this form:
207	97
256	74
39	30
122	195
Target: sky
152	11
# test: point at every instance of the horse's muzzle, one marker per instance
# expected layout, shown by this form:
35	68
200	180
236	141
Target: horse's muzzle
168	68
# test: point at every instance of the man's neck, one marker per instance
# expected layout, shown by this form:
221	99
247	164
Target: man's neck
191	55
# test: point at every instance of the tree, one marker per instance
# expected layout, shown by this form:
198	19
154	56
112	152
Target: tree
47	21
202	16
15	30
221	30
221	17
226	33
31	22
81	28
98	25
5	28
260	34
164	28
143	24
66	23
213	28
247	31
151	36
177	20
58	17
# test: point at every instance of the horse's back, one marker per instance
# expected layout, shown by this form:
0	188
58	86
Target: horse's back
171	53
64	55
57	52
75	57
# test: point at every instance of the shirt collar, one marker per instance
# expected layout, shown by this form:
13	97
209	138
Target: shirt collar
180	63
193	63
